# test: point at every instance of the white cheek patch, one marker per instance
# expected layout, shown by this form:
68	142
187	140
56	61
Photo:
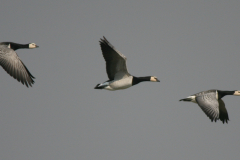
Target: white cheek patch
9	46
237	93
32	45
153	79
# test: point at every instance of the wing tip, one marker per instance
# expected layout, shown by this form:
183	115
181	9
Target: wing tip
104	41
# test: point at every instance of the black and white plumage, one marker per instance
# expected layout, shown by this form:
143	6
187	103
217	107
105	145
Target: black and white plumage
211	103
12	64
119	77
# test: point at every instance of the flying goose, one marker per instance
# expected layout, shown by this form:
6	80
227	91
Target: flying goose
12	64
211	103
119	77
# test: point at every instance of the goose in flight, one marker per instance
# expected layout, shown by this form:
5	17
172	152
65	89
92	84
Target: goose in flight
12	64
211	103
119	77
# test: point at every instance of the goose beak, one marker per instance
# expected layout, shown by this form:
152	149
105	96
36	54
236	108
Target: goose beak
37	46
157	80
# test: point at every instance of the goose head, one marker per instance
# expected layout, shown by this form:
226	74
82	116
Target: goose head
33	45
154	79
236	93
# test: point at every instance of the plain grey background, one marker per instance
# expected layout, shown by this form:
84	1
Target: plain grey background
191	46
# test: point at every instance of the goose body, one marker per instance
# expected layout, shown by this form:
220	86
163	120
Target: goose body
119	77
12	64
211	103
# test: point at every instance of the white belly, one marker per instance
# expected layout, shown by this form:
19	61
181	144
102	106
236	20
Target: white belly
120	84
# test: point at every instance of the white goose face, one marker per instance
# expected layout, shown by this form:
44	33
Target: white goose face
154	79
33	45
237	93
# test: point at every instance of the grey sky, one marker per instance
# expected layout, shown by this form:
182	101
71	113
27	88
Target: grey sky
191	46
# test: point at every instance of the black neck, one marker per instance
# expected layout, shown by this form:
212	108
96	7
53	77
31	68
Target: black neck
137	80
16	46
221	94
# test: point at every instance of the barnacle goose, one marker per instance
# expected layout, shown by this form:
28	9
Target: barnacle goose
119	77
211	103
12	64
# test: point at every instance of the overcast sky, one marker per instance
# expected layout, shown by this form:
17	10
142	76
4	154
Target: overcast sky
191	46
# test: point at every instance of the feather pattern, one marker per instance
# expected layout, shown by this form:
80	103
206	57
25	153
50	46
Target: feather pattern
115	61
223	114
211	103
12	64
119	77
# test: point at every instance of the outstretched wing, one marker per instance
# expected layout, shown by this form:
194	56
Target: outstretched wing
11	63
223	114
209	104
115	61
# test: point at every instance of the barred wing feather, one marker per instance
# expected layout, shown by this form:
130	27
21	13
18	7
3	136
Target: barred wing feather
11	63
210	105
